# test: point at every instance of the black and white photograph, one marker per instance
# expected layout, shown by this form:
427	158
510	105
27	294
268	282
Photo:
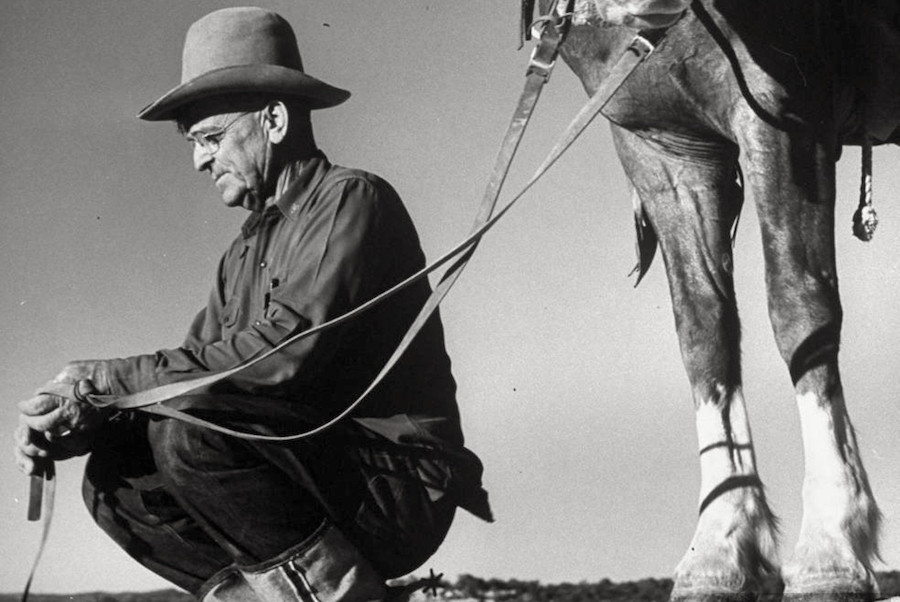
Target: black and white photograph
363	301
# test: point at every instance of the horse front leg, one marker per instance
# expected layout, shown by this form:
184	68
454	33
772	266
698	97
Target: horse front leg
792	178
691	203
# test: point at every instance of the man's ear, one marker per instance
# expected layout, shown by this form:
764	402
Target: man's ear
275	121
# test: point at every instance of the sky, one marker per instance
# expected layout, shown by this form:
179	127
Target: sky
570	380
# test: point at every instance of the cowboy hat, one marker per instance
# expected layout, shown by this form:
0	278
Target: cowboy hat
237	50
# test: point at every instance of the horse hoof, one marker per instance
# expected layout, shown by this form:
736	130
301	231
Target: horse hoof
840	586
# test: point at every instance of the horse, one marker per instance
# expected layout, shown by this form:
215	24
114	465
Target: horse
757	98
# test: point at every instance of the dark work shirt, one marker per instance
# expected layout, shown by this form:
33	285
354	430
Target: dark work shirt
333	239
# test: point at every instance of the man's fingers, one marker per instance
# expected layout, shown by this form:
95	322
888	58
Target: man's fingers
86	387
33	451
77	370
70	373
30	443
25	463
40	404
57	389
45	422
25	450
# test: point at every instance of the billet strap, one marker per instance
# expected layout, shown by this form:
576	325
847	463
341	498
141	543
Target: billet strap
151	400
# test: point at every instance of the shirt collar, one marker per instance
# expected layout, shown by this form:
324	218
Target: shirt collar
294	187
298	181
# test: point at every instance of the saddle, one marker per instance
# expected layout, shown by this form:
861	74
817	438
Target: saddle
870	60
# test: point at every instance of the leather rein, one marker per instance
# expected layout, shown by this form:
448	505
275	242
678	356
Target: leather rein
550	31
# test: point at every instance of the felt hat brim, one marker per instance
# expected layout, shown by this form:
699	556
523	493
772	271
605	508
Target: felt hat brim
264	78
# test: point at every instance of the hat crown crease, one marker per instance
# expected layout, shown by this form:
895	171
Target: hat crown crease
215	42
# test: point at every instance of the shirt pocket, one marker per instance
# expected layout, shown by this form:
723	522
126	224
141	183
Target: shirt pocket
285	317
229	320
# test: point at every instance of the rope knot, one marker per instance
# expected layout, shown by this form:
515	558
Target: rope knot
865	219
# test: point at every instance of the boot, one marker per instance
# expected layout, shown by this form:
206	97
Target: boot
228	586
324	568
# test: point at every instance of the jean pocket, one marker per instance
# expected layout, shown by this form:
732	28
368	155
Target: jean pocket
159	506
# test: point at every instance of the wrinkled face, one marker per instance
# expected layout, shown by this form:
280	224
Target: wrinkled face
640	14
233	147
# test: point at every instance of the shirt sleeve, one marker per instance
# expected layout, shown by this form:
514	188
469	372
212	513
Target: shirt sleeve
338	263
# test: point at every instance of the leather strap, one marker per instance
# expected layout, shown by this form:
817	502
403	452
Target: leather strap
151	400
44	485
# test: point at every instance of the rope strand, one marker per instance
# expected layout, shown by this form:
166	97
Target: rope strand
865	219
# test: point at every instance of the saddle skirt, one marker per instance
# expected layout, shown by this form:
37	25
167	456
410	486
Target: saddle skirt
873	63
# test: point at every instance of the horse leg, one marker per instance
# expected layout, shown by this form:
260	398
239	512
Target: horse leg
792	179
691	202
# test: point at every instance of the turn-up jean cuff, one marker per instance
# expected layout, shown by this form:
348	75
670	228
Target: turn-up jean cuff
294	551
325	567
228	585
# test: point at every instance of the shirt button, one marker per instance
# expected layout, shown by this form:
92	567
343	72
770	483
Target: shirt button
263	263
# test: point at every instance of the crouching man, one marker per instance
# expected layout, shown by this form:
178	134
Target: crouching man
326	518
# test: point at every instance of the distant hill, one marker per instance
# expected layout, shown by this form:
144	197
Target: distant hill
475	589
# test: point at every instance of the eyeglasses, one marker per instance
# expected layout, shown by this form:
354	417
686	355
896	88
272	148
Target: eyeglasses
210	141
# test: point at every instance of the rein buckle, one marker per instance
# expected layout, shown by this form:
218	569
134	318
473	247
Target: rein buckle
539	64
549	30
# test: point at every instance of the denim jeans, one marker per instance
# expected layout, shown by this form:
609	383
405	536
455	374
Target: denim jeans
187	502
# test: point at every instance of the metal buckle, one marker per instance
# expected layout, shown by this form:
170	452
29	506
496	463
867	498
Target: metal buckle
538	65
543	57
539	25
640	40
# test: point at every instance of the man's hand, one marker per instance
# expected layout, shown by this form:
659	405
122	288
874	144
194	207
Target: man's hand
55	424
92	370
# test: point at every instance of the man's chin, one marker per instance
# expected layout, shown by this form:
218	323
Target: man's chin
236	200
233	202
238	196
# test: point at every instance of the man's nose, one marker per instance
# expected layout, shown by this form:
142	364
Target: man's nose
202	158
